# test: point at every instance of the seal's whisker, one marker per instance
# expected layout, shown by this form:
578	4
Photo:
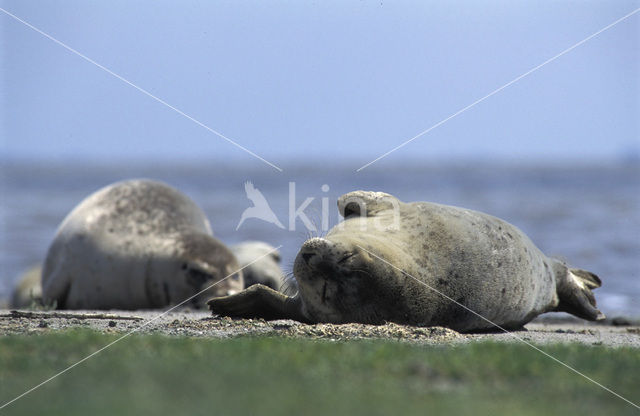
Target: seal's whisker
313	218
289	285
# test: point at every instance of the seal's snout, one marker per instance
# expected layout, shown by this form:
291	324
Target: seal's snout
322	257
316	251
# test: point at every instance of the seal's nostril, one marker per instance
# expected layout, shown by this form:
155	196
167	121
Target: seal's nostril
307	256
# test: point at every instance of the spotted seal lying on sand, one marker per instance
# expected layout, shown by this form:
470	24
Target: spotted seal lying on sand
260	263
421	264
136	244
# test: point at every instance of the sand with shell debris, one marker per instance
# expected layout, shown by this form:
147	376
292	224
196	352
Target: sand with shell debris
613	333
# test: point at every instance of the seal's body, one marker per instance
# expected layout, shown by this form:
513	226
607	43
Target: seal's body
136	244
28	291
423	264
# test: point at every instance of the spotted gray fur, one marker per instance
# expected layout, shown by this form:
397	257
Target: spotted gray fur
422	264
136	244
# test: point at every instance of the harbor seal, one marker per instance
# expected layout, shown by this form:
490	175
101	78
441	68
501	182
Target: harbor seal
265	270
136	244
28	291
421	264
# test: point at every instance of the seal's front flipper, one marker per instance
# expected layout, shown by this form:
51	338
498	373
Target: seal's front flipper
575	295
259	301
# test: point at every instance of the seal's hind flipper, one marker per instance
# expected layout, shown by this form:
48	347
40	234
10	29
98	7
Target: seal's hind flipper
575	295
258	301
587	278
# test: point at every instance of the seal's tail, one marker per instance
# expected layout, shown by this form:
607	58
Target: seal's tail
575	295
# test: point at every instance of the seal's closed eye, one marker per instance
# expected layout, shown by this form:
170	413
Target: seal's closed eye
346	257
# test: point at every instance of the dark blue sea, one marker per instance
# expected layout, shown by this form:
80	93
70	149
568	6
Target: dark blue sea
585	213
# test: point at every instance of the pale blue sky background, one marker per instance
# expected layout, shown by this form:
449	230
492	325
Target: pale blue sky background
315	79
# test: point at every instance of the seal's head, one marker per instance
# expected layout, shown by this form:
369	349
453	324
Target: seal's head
339	277
207	264
261	262
340	281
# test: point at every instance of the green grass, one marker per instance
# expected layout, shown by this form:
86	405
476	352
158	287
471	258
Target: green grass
273	376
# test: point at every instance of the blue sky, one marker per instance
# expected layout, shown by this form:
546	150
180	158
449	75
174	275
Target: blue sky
315	79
